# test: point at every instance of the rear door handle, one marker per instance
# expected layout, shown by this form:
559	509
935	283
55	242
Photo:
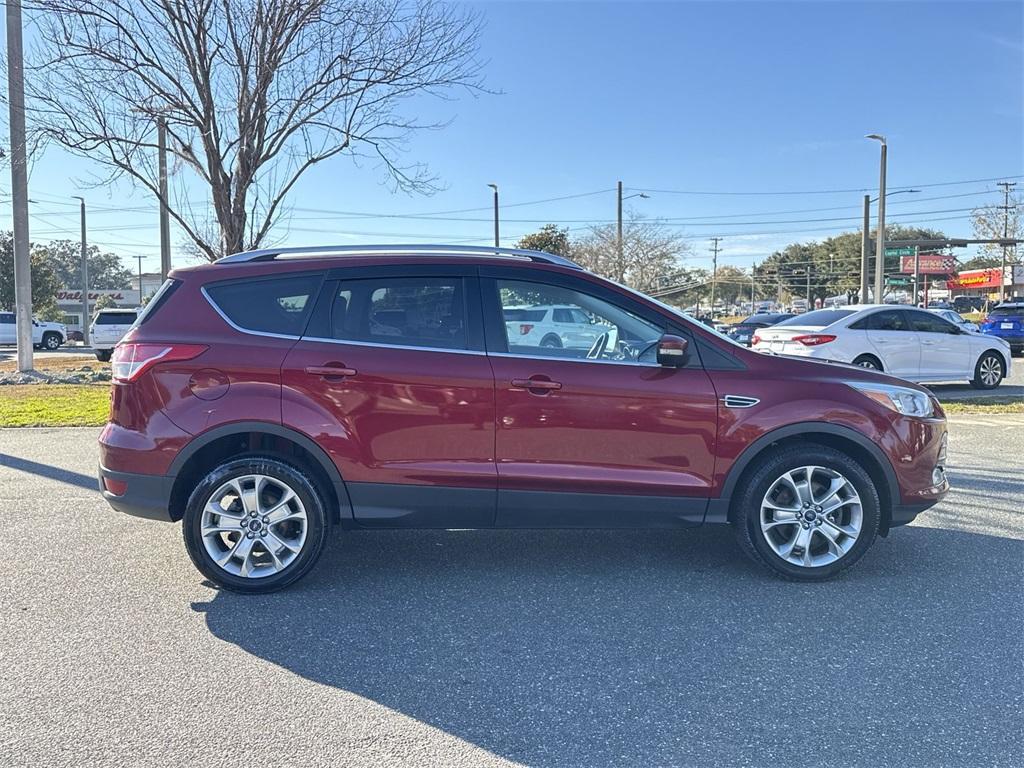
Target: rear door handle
330	371
536	384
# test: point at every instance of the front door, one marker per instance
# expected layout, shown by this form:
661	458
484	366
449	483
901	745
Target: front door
945	353
392	380
604	436
895	342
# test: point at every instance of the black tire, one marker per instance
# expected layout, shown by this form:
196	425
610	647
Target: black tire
103	355
1016	351
316	524
746	509
551	341
52	341
868	361
986	363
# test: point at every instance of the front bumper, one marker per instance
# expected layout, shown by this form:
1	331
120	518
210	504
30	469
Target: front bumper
145	496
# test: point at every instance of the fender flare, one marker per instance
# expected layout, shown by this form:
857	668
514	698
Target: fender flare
756	448
242	427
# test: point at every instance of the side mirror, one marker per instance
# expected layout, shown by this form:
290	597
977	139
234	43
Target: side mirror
672	350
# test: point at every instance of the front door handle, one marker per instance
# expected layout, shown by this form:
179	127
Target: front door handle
536	385
330	371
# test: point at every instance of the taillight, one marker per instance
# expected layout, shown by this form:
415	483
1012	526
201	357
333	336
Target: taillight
525	328
130	361
814	339
755	340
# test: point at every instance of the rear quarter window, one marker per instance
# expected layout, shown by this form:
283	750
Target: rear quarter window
279	305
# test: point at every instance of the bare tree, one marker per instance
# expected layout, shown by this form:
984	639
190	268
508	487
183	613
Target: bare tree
991	222
253	94
651	253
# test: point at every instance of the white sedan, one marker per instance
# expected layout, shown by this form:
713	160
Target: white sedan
913	344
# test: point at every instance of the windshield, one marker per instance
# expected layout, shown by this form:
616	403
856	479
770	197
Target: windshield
819	318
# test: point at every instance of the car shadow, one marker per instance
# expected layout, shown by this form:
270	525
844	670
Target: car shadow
610	648
49	471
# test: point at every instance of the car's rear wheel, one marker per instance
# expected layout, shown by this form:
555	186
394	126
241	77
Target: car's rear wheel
255	524
51	341
868	361
989	371
103	355
807	513
551	341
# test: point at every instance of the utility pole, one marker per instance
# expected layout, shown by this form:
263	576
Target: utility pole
917	272
1006	207
165	221
810	304
497	237
85	276
19	186
714	272
880	236
753	275
140	279
621	259
865	251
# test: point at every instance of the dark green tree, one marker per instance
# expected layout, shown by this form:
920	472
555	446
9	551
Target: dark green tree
65	259
549	238
44	281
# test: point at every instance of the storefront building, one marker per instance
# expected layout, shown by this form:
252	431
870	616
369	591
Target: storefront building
986	283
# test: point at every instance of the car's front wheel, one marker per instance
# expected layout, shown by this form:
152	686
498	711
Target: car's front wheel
255	524
807	513
989	371
103	355
52	341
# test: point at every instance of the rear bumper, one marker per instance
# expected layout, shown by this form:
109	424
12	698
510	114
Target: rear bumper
145	496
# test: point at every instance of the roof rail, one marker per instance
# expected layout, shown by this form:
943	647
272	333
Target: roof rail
313	251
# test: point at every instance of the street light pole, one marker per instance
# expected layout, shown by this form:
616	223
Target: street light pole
621	269
880	237
497	238
19	186
865	249
85	275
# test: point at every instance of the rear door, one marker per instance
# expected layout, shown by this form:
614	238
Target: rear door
610	439
945	352
392	380
895	343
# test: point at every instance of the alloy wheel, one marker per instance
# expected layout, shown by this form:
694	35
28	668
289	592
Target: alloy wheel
254	526
990	371
811	516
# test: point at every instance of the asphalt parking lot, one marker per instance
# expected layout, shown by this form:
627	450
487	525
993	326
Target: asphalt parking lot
498	648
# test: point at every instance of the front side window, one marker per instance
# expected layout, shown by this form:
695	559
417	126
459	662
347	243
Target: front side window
277	306
926	322
402	311
582	327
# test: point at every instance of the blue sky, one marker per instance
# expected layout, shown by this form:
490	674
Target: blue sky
722	97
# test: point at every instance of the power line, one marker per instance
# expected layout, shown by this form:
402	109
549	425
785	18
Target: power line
814	191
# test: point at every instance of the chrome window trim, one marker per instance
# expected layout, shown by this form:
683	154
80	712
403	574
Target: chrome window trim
378	344
576	360
240	329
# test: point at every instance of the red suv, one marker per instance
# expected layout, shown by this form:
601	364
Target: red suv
264	397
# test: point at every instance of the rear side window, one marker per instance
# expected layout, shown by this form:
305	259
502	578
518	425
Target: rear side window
404	311
279	305
115	318
891	320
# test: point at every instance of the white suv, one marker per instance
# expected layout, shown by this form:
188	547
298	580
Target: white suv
44	334
109	327
557	326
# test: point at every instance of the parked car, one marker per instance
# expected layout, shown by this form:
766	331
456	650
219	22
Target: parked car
45	335
955	318
109	327
260	399
552	327
798	306
744	331
911	343
1006	322
963	304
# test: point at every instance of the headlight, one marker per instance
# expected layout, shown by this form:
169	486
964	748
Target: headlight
903	400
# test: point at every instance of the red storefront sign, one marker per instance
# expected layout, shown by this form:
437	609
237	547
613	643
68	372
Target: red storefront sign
929	264
975	278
